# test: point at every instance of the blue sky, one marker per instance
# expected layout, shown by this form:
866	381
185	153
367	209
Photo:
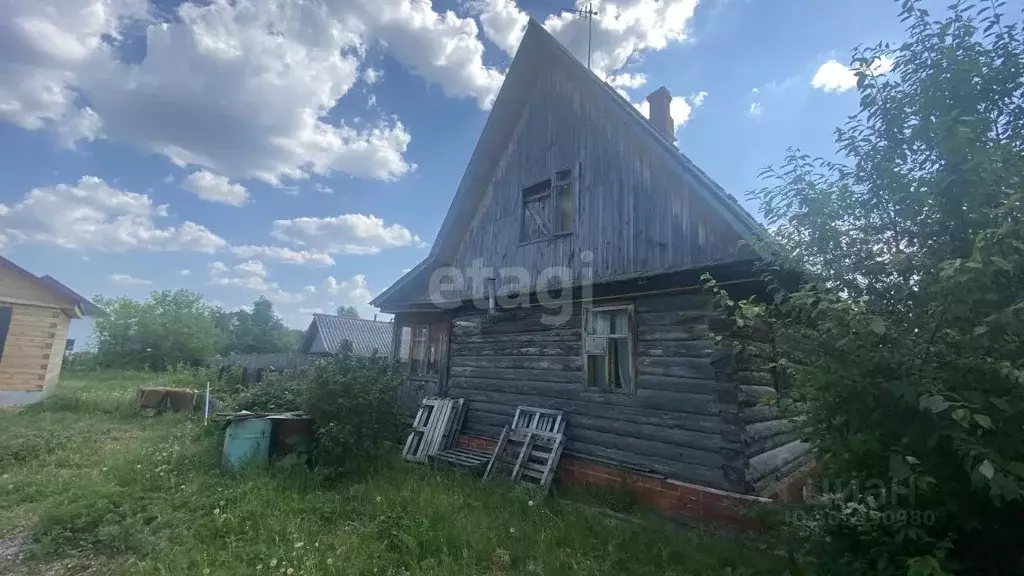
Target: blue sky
309	150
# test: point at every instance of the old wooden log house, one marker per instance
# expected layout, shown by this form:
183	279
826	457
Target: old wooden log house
566	276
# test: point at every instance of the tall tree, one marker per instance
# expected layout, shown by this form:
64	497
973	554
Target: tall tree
168	328
347	311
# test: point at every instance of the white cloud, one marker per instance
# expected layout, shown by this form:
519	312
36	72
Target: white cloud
93	215
832	76
283	254
344	234
503	22
242	88
678	107
252	276
184	272
622	29
351	292
215	188
627	80
372	75
754	109
43	48
323	189
697	99
127	279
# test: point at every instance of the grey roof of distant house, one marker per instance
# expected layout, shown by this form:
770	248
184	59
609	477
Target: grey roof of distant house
365	335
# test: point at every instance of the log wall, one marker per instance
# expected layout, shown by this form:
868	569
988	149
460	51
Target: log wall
682	422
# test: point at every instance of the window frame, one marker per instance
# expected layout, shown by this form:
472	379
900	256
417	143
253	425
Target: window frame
551	198
435	333
629	338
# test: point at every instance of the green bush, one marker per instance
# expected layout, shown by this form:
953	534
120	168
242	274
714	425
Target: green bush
276	392
902	343
354	401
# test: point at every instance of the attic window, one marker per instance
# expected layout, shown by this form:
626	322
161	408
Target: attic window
548	207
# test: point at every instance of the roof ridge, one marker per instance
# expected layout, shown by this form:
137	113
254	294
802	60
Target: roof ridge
350	318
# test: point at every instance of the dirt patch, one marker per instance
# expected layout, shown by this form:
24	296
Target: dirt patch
12	552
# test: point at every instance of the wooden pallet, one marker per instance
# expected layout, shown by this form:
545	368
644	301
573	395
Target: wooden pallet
539	419
474	460
434	428
526	457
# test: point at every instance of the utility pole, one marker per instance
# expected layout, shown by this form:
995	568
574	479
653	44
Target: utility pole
589	14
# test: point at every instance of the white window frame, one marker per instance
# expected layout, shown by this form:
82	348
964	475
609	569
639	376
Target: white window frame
591	343
573	180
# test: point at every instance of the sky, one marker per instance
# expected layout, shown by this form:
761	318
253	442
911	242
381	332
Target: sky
308	150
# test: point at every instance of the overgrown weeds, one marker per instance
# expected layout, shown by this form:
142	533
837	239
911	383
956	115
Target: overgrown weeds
128	495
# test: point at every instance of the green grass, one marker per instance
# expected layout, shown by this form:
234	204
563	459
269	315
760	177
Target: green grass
96	488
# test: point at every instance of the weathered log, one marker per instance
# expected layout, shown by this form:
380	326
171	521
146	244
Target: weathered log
566	377
688	385
504	348
671	452
691	349
692	473
672	333
492	408
754	395
767	429
515	325
758	447
673	318
760	379
672	302
626	408
774	460
572	335
765	486
679	367
573	364
759	413
641	431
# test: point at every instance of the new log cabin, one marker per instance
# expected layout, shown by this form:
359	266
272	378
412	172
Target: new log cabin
566	275
35	314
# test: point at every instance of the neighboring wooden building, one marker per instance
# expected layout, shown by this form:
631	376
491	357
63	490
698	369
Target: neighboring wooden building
326	332
35	314
566	275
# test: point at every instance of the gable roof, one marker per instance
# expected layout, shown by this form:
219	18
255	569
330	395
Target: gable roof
366	335
51	285
540	49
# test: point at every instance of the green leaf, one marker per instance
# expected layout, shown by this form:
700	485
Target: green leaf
912	460
987	469
1001	404
898	468
983	420
963	416
935	403
877	325
1002	263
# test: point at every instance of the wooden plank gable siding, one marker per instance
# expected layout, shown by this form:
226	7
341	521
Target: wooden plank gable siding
672	424
631	209
16	289
36	336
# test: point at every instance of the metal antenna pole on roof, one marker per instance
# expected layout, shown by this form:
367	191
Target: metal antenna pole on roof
589	14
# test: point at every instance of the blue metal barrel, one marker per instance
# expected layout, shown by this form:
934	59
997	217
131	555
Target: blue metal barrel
246	441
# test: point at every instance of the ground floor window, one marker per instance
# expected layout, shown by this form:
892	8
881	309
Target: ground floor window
608	348
419	348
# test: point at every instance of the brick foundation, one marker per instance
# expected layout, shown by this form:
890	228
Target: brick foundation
662	494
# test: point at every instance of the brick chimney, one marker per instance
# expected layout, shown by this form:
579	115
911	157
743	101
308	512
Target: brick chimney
660	115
